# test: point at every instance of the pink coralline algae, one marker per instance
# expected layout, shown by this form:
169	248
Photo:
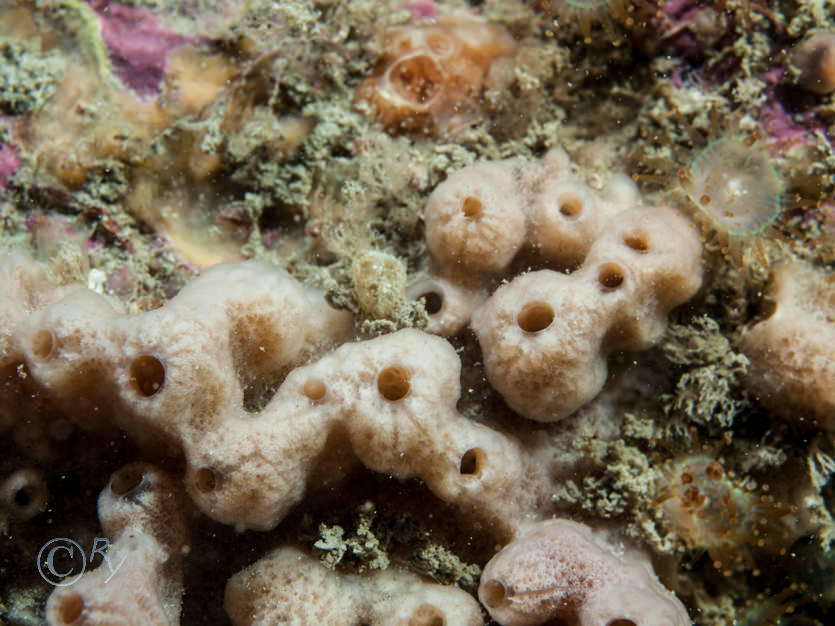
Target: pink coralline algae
782	126
694	27
9	162
422	10
139	45
687	26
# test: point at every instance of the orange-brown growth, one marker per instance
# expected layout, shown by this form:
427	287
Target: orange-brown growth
432	75
603	13
709	510
815	58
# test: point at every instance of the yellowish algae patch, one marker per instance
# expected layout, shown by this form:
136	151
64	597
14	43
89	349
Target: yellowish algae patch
380	282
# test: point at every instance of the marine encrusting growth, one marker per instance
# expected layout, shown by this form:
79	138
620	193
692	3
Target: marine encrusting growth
433	76
141	512
554	316
792	350
388	403
490	214
545	334
288	582
562	570
281	407
148	374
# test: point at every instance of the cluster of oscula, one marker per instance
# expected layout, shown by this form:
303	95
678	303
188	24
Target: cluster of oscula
194	378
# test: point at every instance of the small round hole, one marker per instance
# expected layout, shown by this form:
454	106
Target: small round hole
60	429
535	316
204	480
43	343
472	207
766	308
417	79
314	389
611	276
148	374
22	498
432	301
494	593
125	480
571	205
70	607
637	240
472	462
393	382
24	493
427	615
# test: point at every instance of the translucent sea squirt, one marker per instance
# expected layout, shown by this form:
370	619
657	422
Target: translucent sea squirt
733	182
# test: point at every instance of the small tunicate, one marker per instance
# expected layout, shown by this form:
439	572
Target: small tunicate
733	182
380	283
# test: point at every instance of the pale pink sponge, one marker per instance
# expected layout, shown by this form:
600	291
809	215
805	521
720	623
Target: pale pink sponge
491	215
545	335
288	587
391	401
215	375
559	571
475	220
141	511
792	351
168	375
238	378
